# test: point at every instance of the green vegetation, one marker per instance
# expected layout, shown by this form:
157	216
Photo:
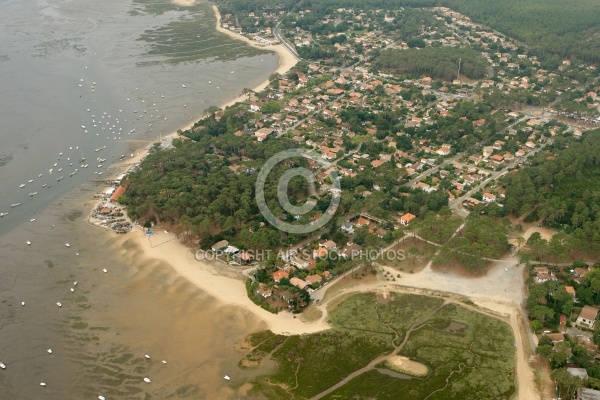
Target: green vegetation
438	63
562	190
481	238
472	352
193	184
439	228
190	38
552	29
567	29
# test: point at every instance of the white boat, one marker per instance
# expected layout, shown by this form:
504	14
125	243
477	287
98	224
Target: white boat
60	178
227	378
147	356
2	366
182	86
58	304
49	351
32	219
147	380
30	181
42	383
67	244
60	170
3	214
28	243
33	193
101	398
22	185
105	270
15	204
23	303
164	361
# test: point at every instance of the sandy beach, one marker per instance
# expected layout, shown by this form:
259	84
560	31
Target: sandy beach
286	59
221	282
166	247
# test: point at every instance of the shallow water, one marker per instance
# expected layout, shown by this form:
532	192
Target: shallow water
103	329
49	48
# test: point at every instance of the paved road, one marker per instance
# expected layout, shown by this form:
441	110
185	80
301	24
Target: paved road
284	42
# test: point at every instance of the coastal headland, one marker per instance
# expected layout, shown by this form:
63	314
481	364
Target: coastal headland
227	284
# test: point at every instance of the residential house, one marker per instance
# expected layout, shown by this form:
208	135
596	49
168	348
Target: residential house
588	394
244	257
406	218
587	317
279	275
361	221
299	283
220	245
488	198
329	245
299	262
264	291
312	279
580	272
578	372
347	227
556	337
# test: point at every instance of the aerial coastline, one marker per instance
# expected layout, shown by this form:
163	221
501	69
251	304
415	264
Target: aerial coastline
227	289
490	286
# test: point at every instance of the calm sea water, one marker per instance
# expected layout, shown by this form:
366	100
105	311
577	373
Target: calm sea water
59	58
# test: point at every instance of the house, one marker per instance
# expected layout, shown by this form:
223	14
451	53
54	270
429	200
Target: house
312	279
298	262
329	245
497	158
556	337
578	372
570	290
587	317
424	186
244	257
488	198
588	394
544	277
406	218
351	250
264	291
362	222
117	193
299	283
320	252
263	133
580	272
254	107
347	227
220	245
562	320
279	275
